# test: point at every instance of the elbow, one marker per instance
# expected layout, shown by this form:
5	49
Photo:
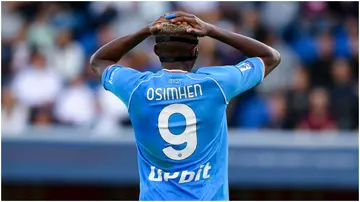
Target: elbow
271	61
275	57
94	63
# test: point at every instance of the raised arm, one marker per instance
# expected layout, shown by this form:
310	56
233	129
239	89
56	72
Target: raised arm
113	51
247	45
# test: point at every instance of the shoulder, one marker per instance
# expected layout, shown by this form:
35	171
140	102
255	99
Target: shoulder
125	74
218	74
147	76
208	75
209	70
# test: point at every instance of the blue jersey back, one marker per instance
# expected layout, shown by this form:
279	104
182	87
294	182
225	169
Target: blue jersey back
179	119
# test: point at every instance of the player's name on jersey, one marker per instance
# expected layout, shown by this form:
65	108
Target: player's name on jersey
174	93
185	176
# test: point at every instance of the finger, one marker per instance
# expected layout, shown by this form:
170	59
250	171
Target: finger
188	20
155	28
181	13
174	14
178	19
159	20
197	32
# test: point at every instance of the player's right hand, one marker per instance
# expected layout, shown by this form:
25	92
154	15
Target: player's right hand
199	27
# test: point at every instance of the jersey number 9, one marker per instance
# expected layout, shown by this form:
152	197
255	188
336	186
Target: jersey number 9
189	135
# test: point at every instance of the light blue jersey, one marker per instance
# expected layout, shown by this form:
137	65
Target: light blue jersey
180	125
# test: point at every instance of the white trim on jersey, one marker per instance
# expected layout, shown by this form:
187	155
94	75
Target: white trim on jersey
263	72
215	82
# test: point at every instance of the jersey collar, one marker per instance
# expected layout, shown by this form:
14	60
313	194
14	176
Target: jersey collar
175	71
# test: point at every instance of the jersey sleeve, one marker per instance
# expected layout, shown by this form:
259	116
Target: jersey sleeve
235	79
121	81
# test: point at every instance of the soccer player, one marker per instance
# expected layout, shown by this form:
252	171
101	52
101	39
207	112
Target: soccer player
178	116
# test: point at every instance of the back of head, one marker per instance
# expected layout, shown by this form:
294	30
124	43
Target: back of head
172	29
174	44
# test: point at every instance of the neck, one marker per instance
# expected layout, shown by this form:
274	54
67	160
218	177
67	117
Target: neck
185	66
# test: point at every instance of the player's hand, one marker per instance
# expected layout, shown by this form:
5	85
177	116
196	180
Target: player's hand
199	27
156	25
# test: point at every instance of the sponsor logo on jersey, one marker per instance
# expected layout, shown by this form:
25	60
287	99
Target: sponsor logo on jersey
245	66
185	176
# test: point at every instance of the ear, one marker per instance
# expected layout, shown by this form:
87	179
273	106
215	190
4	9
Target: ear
156	50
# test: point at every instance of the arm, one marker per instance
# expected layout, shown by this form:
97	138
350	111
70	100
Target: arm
113	51
249	46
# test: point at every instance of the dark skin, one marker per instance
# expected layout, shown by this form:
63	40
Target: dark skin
172	50
113	51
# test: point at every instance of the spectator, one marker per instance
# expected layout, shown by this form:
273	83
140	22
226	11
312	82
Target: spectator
11	20
41	34
76	104
14	116
320	68
319	116
20	51
42	117
207	10
252	111
68	56
105	35
36	84
277	110
63	16
343	97
297	97
353	44
112	113
279	22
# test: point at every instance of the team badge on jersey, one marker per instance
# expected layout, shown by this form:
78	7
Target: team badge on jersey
245	66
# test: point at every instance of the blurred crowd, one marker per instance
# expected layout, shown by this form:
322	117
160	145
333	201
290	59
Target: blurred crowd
46	46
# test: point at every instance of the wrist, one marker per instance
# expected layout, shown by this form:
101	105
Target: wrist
145	32
211	30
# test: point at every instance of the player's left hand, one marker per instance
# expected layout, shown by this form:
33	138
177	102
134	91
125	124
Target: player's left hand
156	25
